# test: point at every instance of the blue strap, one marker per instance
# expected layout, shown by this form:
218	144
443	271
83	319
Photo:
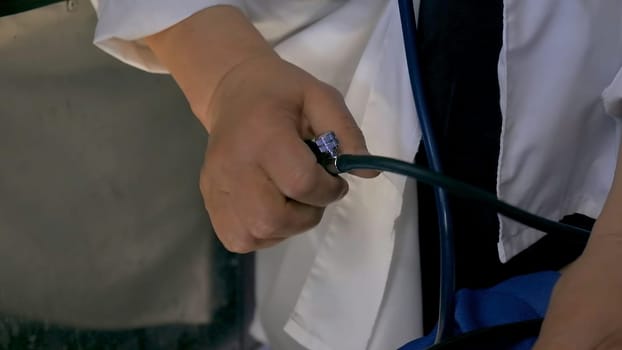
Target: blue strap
517	299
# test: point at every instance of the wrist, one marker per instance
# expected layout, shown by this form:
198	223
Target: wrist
201	50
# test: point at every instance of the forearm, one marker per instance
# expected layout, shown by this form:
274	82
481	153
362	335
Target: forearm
584	310
200	50
609	223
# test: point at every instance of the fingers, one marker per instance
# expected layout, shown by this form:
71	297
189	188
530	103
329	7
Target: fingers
230	230
256	215
260	182
269	215
249	211
296	174
326	110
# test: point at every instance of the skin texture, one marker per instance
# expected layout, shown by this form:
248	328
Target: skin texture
259	192
260	182
586	307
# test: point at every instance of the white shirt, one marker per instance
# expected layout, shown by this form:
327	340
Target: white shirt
347	284
559	141
311	279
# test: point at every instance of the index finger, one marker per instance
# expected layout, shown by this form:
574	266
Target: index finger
326	110
296	173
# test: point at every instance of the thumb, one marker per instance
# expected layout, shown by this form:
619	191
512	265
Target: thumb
325	110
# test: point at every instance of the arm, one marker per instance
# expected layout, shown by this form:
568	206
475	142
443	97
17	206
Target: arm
123	24
586	306
200	50
609	224
258	191
260	182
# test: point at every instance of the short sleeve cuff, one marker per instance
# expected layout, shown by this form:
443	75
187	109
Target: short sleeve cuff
124	23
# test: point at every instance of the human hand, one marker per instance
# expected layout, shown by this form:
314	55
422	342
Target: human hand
585	312
260	181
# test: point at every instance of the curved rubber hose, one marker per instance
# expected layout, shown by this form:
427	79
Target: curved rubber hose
348	162
447	256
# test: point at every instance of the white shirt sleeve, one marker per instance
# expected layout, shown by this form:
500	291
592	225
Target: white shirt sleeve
123	23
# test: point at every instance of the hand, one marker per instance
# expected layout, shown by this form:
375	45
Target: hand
260	181
585	312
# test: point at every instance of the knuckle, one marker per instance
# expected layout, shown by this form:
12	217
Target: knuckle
330	91
266	227
230	234
323	92
301	183
239	244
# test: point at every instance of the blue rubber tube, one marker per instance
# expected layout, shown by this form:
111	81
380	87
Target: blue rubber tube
447	257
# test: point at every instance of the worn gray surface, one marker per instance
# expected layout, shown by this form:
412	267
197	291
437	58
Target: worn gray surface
101	221
226	331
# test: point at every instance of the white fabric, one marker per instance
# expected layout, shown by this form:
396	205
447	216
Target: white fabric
351	251
331	288
347	281
327	287
122	25
612	97
559	146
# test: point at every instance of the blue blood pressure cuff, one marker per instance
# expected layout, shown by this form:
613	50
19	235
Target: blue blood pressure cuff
510	313
11	7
